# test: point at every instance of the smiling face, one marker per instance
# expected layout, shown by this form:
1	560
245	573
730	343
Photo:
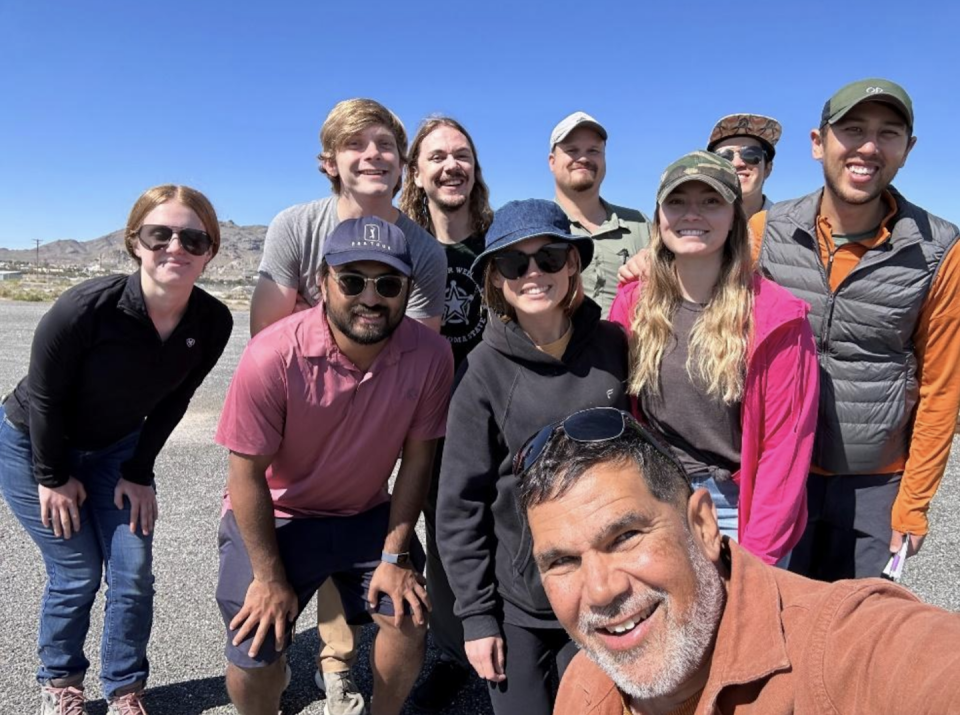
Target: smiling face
631	583
695	221
367	318
445	168
751	176
578	162
862	152
536	293
171	267
367	163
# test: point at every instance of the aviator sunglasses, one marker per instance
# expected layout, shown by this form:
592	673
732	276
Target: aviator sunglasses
596	424
153	237
549	259
751	155
353	284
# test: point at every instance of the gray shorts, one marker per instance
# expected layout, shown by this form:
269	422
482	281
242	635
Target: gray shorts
345	549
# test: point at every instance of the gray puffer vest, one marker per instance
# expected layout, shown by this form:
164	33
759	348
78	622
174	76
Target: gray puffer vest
864	330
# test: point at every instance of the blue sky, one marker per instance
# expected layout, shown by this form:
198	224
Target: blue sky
100	100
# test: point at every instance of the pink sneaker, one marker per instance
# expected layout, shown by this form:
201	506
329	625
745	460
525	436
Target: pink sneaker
129	704
62	701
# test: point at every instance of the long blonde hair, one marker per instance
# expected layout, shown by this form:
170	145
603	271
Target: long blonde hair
719	340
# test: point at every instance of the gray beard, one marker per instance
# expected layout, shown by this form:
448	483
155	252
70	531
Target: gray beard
685	647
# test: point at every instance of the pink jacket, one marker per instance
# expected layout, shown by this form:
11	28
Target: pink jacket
778	418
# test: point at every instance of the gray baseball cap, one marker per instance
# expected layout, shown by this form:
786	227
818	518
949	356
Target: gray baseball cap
568	124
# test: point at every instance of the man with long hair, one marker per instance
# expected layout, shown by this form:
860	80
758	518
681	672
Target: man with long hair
578	146
445	194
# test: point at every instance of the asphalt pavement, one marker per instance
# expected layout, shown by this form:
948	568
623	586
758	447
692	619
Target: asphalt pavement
186	649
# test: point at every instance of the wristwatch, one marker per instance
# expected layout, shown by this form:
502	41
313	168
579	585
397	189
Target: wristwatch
396	559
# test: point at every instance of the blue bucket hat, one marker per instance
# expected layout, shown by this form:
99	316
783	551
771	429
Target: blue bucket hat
517	221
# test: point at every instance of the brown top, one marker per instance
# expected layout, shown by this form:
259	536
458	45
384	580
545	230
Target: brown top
787	644
937	345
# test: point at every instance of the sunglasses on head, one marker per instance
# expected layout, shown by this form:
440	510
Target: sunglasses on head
153	237
549	259
387	286
752	155
597	424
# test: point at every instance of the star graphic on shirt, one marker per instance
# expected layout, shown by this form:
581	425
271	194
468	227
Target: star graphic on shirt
457	305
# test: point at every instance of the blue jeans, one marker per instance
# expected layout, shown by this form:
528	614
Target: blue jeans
75	566
726	497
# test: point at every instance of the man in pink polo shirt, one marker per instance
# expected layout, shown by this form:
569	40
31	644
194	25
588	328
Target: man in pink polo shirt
318	412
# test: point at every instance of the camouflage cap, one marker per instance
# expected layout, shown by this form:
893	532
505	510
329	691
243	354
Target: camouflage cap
701	166
765	129
867	90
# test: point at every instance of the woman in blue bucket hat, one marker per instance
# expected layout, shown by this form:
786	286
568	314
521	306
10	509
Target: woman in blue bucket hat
545	353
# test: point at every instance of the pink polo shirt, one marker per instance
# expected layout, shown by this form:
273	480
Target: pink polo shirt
335	432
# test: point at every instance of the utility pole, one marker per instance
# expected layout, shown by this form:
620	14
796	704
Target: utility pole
38	241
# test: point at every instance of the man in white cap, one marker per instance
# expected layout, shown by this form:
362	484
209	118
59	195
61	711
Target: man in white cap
578	164
748	141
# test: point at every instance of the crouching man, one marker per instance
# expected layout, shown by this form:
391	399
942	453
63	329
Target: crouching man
319	410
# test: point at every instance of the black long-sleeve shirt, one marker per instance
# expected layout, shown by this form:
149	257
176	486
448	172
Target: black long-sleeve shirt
99	370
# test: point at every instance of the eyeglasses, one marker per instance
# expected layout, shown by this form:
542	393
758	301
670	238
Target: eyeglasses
153	237
597	424
353	284
549	259
751	155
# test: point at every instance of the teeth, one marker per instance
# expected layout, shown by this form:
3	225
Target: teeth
624	627
534	291
862	170
628	626
691	232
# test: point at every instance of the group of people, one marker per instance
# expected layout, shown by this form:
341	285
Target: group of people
623	433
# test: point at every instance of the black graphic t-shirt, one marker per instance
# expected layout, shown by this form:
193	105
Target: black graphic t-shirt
463	316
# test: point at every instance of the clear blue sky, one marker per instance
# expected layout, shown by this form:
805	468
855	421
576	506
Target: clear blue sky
99	100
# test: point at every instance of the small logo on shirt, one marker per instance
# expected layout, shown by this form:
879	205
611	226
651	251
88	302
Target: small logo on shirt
191	342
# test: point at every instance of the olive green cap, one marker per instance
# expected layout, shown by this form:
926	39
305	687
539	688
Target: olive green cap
867	90
711	169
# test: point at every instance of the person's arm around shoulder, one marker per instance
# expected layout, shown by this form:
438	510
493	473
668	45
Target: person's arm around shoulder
276	293
270	601
270	302
624	303
937	345
788	402
428	293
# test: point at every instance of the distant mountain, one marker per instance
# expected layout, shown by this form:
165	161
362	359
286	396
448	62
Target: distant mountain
239	255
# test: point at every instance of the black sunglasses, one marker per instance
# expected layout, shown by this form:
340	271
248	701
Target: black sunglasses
751	155
353	284
596	424
550	259
153	237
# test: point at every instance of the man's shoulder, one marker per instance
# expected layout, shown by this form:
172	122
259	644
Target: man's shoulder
585	688
625	213
418	238
310	212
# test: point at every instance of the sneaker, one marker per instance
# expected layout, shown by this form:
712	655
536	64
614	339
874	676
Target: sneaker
440	687
62	701
129	704
342	696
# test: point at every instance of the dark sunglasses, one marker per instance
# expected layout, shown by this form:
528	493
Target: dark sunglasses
751	155
514	264
353	284
153	237
597	424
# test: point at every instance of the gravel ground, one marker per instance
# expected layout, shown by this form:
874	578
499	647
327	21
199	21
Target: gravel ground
186	649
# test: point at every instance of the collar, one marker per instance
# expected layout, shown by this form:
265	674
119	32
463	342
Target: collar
883	233
132	301
316	338
750	642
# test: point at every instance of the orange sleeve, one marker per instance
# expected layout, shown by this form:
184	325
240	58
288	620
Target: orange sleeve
937	345
757	225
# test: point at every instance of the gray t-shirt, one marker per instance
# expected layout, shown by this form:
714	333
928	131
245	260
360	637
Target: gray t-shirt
294	245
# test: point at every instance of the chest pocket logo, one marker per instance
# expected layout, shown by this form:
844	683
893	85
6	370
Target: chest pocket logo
191	342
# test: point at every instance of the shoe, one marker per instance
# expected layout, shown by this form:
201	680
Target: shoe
342	696
440	687
129	704
62	701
